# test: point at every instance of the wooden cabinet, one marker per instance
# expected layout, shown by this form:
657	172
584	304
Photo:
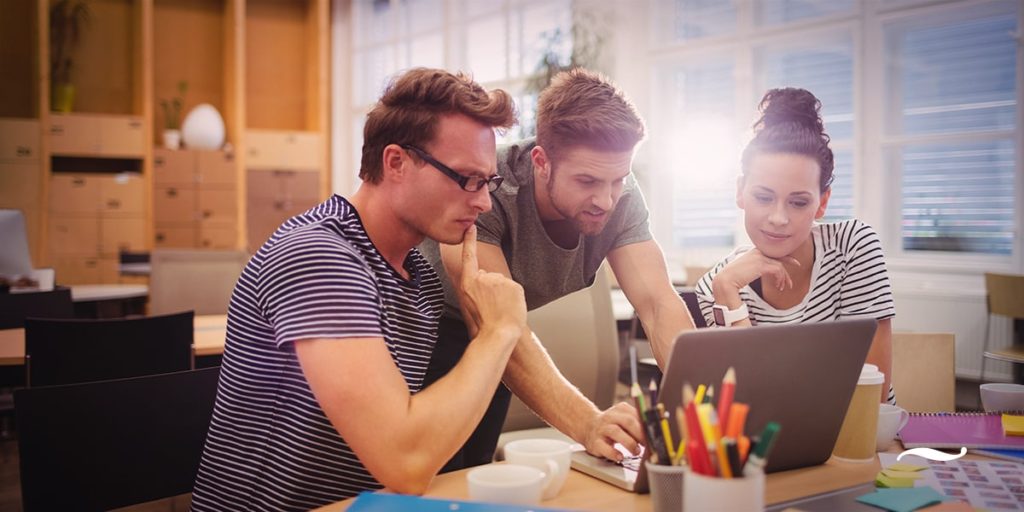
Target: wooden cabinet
275	195
195	199
92	219
21	175
96	135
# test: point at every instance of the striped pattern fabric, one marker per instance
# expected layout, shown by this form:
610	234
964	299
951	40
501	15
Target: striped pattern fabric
270	446
848	280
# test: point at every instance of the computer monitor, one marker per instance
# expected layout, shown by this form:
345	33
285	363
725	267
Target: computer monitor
15	260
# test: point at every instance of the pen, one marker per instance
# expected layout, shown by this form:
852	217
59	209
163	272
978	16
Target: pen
764	445
657	442
743	444
725	400
733	455
652	391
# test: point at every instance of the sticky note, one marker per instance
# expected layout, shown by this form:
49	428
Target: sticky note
912	475
903	466
1013	425
902	500
886	481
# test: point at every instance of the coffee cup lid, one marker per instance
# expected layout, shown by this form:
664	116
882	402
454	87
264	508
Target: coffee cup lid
869	375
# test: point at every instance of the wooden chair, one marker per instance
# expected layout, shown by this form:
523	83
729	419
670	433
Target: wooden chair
73	351
1004	297
924	371
104	445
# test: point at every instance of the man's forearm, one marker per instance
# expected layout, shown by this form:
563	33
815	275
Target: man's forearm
665	320
534	378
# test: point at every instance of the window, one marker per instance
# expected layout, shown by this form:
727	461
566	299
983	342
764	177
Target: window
951	128
498	41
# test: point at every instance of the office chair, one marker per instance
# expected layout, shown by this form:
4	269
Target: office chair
200	280
16	307
72	351
104	445
1004	297
579	333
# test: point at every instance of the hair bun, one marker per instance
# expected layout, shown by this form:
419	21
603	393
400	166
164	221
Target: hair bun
790	105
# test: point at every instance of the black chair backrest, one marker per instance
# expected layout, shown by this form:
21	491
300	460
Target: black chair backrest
73	351
690	298
109	444
16	307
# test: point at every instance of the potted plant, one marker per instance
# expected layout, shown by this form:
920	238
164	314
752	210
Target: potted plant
67	20
172	117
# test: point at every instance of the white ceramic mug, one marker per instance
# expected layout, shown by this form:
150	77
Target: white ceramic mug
506	483
551	456
891	419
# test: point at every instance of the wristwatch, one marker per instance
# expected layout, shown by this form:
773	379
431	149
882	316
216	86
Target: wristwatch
725	317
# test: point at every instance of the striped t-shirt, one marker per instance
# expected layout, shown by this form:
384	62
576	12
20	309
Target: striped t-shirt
848	280
270	446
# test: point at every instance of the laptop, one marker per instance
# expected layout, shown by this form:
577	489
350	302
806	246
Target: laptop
799	375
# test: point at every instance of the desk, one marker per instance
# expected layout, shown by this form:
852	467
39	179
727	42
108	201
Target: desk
208	339
588	493
109	300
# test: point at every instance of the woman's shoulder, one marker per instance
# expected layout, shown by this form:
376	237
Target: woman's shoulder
846	235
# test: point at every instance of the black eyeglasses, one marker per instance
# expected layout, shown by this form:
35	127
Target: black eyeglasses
468	183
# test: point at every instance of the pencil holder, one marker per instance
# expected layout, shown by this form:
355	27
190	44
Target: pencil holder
666	484
707	493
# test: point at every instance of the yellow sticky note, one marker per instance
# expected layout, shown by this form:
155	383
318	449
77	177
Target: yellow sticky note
892	483
902	466
1013	425
912	475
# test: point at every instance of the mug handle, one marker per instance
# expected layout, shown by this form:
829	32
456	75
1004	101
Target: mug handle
904	418
549	475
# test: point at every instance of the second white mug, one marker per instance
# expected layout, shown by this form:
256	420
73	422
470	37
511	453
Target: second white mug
891	419
551	456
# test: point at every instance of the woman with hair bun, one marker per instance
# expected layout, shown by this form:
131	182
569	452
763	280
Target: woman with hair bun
798	270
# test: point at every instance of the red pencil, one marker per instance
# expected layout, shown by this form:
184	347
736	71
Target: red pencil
725	398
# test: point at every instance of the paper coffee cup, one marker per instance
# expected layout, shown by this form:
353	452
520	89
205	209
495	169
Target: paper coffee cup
857	437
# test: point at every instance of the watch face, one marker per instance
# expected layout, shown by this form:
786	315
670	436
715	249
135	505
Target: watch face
719	313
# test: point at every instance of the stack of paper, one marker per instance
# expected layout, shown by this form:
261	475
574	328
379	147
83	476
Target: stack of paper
903	500
898	476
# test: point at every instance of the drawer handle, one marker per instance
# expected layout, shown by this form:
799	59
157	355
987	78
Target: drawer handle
24	151
172	192
57	129
159	237
207	214
158	160
113	203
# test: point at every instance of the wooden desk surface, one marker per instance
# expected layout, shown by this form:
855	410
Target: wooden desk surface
588	493
208	337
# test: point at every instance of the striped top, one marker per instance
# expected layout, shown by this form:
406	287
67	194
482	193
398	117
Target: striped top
848	280
270	446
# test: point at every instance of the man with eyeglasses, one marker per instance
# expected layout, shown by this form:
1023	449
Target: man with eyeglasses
569	201
333	321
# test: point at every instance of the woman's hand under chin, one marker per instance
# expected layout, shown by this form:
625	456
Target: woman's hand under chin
746	268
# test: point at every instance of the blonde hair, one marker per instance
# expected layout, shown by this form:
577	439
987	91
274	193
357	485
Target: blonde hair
412	104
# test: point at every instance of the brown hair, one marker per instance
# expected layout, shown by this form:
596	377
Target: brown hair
791	123
412	103
583	108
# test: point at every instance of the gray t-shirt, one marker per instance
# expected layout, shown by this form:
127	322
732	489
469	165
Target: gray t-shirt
546	271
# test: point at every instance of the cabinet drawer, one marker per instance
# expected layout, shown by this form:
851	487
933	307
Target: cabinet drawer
122	136
74	235
302	187
121	194
19	185
19	140
70	270
72	134
217	236
174	204
174	167
217	205
302	151
174	236
216	168
122	234
71	193
263	149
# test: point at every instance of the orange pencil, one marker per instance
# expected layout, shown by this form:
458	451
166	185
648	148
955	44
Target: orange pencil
737	419
728	390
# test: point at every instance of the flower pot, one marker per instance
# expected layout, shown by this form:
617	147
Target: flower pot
172	139
62	97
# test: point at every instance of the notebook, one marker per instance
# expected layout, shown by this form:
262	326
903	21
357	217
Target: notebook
630	475
384	502
1004	453
953	430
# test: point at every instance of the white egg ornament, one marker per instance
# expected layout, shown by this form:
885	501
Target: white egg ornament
203	128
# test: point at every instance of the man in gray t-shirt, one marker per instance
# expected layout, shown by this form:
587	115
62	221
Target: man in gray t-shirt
568	202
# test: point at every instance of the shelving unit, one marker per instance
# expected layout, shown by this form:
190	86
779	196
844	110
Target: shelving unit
263	64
